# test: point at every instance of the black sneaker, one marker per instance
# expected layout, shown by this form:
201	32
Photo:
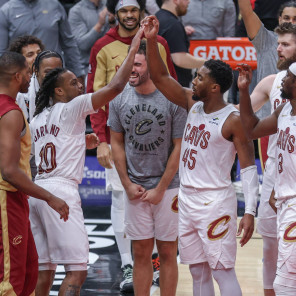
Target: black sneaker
156	264
127	279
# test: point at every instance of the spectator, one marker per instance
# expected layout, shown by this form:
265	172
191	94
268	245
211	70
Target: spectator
210	19
107	55
44	19
29	46
87	19
173	31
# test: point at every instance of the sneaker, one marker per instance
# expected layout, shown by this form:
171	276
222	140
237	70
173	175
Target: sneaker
127	283
156	264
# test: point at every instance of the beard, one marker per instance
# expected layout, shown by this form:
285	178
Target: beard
196	98
180	11
128	28
284	95
285	64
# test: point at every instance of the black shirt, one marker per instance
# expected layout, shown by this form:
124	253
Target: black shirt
172	30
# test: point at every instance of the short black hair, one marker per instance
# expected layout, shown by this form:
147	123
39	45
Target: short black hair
10	63
111	4
22	41
221	73
284	5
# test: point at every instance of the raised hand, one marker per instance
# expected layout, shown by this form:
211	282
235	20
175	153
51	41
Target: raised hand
245	76
59	206
151	26
137	40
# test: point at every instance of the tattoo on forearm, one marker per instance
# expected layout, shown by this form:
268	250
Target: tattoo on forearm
72	290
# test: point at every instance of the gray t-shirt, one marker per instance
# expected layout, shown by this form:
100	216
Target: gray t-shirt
265	43
149	123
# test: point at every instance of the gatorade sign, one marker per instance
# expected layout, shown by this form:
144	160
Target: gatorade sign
230	50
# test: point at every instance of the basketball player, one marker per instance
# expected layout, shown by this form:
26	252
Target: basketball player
207	200
268	89
18	256
282	123
146	131
58	130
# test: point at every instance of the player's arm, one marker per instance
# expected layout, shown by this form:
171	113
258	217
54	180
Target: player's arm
187	60
251	20
134	191
253	127
11	125
169	87
233	129
155	195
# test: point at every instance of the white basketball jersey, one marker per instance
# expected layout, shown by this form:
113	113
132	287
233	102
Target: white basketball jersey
206	156
285	185
58	135
275	100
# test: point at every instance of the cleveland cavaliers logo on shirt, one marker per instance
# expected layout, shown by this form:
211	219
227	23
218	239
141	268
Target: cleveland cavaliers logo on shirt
278	102
154	118
213	226
285	140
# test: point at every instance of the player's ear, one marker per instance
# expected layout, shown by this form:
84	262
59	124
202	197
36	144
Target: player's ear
59	91
215	87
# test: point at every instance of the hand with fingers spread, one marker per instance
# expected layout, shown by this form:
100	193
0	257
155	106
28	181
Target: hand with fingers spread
59	206
91	141
151	26
154	196
247	226
245	76
134	191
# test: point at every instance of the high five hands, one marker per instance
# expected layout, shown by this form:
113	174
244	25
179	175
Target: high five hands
150	25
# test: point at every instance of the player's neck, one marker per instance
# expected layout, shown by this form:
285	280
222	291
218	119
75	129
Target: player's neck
9	91
293	104
214	105
126	33
170	7
146	88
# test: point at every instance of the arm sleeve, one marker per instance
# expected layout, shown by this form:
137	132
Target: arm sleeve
85	38
229	20
264	39
179	121
74	114
98	120
69	45
175	38
114	120
4	35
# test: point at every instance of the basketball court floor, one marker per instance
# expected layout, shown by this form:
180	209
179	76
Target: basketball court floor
104	273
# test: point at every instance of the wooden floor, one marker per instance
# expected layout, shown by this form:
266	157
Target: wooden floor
248	269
